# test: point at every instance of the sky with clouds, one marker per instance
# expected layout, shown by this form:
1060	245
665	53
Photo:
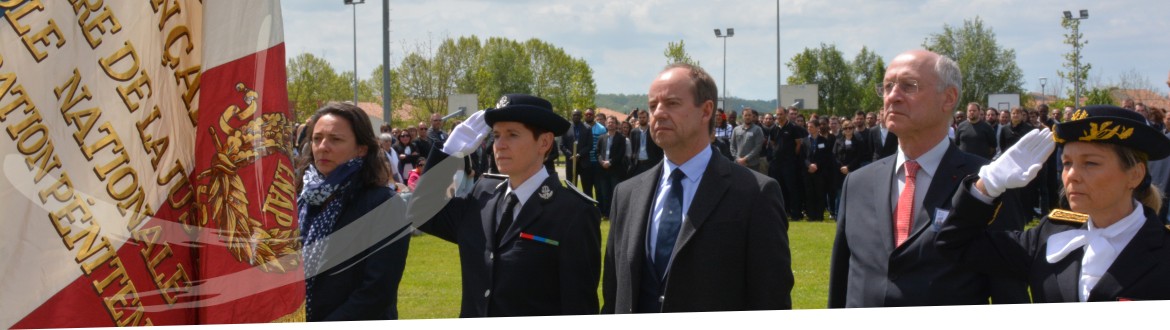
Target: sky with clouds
624	40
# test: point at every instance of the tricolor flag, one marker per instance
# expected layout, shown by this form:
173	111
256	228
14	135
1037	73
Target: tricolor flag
145	174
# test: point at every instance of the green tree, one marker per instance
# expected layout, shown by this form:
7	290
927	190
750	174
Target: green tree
504	69
677	53
869	70
826	67
1075	75
311	83
1099	96
987	68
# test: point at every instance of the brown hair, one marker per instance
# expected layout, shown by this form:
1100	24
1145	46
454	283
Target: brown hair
376	170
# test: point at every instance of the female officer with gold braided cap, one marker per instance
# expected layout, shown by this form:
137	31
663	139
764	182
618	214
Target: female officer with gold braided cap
1110	246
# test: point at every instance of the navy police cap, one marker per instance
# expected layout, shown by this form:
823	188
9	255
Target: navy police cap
529	110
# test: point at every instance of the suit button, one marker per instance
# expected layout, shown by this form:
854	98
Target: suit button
661	298
487	293
491	256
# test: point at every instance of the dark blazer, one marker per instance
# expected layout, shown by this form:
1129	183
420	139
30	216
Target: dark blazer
866	270
1140	271
520	276
881	150
732	252
580	135
849	154
618	163
822	156
653	151
364	287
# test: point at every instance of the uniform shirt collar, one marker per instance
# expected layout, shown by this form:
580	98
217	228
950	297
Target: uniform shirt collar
526	189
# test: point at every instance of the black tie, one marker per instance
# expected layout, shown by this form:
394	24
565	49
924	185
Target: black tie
505	220
671	220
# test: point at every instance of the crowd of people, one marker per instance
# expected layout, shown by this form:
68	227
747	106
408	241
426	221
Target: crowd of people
930	203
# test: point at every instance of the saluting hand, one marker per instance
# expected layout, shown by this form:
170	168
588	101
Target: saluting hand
467	136
1018	165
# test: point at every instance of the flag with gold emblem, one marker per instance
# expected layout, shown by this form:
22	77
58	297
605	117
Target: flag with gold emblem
144	180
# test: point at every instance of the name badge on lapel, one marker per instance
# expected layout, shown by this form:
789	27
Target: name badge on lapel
940	216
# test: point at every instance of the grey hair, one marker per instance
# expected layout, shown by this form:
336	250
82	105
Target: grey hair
385	137
949	75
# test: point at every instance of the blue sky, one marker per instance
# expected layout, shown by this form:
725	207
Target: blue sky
624	40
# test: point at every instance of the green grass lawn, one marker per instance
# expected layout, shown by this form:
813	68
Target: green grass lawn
430	286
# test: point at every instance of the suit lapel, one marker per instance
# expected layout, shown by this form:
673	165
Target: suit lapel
885	212
946	178
532	208
1132	263
642	198
487	216
1068	276
712	186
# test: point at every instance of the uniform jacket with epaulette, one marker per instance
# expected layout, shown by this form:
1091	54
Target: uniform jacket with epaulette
521	276
1140	272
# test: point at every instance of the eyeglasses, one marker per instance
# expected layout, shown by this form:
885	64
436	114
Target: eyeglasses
848	128
908	86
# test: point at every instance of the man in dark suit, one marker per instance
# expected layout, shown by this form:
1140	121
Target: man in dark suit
883	142
575	145
612	157
528	245
696	232
884	253
645	153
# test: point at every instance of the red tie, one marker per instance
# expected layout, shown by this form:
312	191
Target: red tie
905	205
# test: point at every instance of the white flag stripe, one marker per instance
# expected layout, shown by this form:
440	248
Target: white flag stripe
256	24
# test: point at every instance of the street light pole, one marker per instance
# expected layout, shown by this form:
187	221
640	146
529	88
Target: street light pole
1043	81
1077	53
355	74
719	34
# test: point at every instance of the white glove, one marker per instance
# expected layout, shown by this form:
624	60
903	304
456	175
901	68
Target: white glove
467	136
1019	164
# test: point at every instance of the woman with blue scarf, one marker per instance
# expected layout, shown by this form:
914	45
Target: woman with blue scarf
353	256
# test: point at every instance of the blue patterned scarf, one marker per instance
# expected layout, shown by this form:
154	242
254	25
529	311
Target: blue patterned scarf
325	194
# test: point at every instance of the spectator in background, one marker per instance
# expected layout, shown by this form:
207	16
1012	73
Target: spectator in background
747	143
820	165
882	142
407	152
975	136
386	144
419	165
645	152
577	144
423	140
435	133
612	156
871	120
848	148
789	157
723	131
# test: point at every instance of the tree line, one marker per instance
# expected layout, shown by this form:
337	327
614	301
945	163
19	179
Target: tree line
427	75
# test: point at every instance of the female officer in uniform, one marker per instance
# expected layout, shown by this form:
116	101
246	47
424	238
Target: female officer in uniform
527	244
1109	247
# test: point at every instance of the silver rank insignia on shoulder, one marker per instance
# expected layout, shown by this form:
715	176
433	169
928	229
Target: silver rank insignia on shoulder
545	193
503	102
